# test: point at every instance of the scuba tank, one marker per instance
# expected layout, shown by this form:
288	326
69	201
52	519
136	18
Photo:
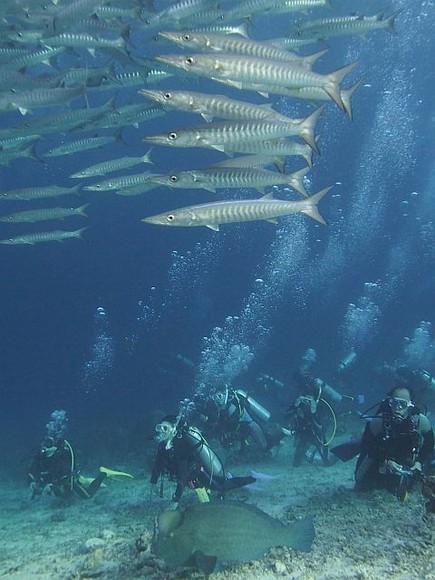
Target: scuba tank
203	453
347	361
258	410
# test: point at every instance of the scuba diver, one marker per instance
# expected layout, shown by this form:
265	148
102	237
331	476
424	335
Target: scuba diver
185	456
310	416
420	381
233	415
53	470
396	443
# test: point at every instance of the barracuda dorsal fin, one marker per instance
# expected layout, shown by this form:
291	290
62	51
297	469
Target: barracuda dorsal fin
207	118
214	227
268	196
273	221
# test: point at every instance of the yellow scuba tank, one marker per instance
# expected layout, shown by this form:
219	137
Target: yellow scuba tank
258	410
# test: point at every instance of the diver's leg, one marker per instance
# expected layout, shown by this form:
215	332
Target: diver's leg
256	432
88	491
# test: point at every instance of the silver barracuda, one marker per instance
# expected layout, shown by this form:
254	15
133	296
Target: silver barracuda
277	147
214	178
123	182
324	28
239	71
209	106
111	166
232	43
44	214
212	215
82	40
40	237
254	161
77	146
25	101
30	193
226	135
248	7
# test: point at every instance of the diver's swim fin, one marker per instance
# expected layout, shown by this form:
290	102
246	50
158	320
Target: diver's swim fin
348	450
114	474
202	494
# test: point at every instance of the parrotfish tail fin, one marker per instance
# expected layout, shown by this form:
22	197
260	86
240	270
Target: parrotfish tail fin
332	86
296	181
310	206
346	96
301	535
307	127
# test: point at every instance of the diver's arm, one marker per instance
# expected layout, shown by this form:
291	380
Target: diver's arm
427	446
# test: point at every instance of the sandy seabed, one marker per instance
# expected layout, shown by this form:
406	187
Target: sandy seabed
366	536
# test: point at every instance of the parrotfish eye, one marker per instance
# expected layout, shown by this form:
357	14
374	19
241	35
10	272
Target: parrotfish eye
170	217
186	37
190	60
173	178
167	95
172	136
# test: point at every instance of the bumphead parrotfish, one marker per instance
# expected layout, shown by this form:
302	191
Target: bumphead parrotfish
209	534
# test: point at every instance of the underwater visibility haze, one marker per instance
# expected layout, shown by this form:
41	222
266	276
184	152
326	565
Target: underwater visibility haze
118	321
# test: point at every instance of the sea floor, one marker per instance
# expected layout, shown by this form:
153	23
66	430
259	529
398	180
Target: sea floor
364	536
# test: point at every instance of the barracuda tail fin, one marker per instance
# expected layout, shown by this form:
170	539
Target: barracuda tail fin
310	206
346	95
296	180
307	127
332	86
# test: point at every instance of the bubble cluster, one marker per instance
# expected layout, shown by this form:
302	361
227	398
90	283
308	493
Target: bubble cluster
56	428
361	319
103	354
419	349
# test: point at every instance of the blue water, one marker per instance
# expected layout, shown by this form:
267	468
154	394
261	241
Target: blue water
162	291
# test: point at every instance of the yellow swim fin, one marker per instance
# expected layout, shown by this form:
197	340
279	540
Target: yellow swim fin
115	474
202	494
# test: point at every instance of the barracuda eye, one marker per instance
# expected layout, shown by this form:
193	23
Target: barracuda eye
186	37
189	60
167	95
170	217
173	178
172	136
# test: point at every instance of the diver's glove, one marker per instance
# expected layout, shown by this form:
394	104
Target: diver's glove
417	468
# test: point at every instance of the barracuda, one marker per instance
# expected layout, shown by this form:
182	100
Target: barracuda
39	237
45	214
78	146
280	147
123	182
214	178
241	69
43	192
230	43
226	135
112	165
323	28
212	215
209	106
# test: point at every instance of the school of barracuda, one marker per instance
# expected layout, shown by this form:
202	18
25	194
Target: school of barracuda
75	73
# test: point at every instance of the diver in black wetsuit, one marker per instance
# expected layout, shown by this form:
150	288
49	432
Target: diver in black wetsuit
53	470
185	456
395	445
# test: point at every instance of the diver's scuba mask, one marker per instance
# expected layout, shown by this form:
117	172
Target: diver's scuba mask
48	447
399	406
221	398
165	432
